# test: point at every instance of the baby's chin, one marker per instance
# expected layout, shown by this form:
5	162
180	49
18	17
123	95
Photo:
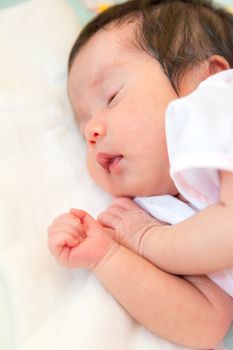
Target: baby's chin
119	192
149	191
142	192
137	189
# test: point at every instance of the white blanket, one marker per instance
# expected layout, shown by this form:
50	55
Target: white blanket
44	306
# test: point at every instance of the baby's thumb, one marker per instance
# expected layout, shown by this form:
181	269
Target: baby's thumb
88	222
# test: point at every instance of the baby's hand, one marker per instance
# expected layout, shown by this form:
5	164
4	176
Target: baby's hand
77	240
129	222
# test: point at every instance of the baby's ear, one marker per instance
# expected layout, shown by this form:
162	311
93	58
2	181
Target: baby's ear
216	64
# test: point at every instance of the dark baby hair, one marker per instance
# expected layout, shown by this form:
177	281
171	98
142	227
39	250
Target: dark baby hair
178	33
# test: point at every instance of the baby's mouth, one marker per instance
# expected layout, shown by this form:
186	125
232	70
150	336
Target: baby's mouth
108	161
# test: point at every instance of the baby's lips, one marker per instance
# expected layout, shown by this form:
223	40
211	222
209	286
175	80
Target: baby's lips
106	159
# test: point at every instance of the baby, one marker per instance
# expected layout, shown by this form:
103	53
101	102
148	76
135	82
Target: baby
151	86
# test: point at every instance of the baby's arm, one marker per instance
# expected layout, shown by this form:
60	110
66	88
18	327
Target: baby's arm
193	312
201	244
198	245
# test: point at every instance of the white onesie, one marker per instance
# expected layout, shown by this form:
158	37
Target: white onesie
199	131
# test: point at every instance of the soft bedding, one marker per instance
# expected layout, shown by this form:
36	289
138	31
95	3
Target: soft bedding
42	174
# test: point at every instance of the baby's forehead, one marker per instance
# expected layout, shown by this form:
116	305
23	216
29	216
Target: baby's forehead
120	38
109	47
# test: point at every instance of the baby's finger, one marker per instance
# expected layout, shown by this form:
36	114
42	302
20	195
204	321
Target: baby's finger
61	217
63	256
78	213
91	226
68	219
77	231
109	220
117	211
61	240
124	203
63	228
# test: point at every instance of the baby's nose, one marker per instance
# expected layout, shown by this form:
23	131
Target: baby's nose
94	131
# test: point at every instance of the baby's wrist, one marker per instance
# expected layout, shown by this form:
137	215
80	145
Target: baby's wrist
111	250
144	246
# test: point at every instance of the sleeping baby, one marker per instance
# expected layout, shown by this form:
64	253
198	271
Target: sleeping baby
151	85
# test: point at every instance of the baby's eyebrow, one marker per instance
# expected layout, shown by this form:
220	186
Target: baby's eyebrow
104	71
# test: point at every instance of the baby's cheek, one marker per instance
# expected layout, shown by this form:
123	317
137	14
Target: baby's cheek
99	175
93	168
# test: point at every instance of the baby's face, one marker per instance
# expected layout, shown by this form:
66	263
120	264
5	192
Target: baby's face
119	95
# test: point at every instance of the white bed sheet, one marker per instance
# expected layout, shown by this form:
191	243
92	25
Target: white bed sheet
42	174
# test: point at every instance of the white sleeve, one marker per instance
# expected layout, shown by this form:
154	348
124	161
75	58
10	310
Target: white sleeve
199	130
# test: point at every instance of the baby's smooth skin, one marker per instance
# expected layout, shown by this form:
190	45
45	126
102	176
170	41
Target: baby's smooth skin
136	257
